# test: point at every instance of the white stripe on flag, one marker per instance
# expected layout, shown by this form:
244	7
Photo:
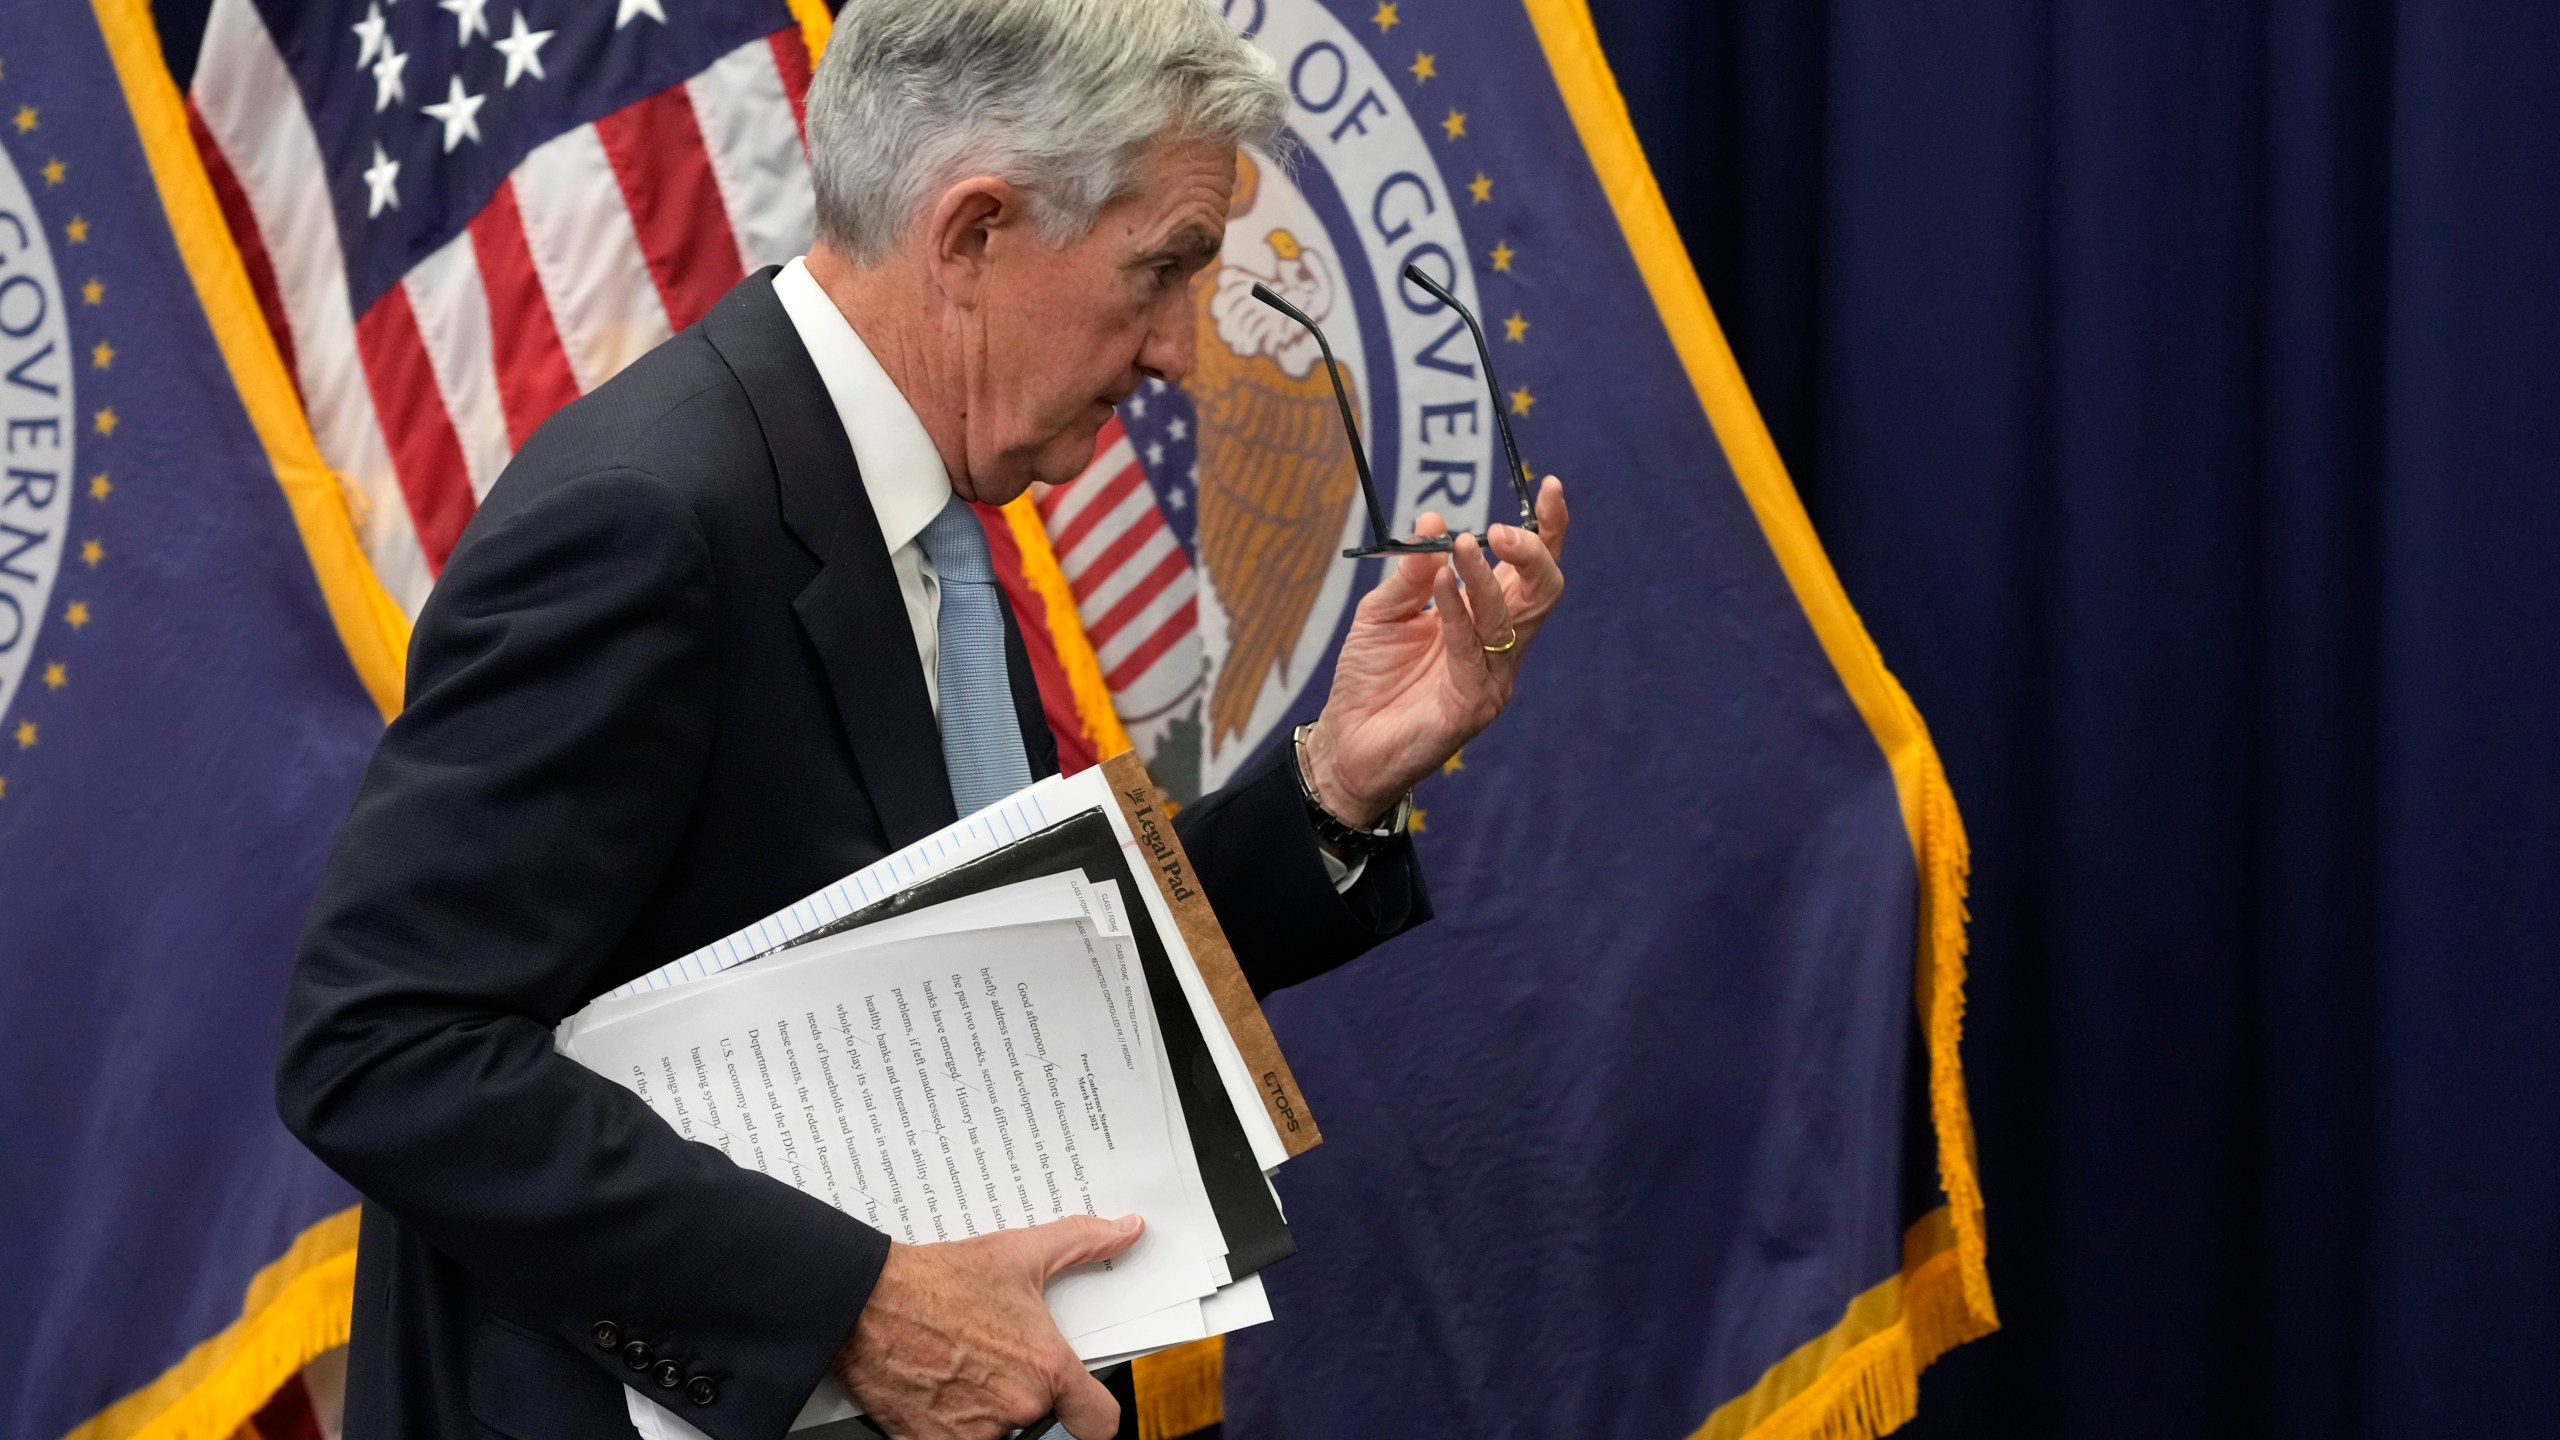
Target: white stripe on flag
252	108
1072	497
1096	596
755	154
1142	627
453	322
593	270
1135	508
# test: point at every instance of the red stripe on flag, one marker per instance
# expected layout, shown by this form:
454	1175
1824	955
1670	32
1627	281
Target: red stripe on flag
791	56
1167	635
424	449
1098	508
288	1414
665	174
1121	548
243	223
1048	498
533	367
1140	595
1031	617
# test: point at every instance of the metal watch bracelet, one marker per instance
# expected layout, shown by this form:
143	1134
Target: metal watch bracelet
1349	842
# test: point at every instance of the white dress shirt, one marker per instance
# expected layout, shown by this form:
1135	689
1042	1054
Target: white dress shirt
901	470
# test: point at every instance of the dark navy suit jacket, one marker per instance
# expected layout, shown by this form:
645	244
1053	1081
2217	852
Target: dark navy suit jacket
664	687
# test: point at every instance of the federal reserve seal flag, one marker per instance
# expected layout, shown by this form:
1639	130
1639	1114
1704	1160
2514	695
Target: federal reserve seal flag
1660	1130
194	663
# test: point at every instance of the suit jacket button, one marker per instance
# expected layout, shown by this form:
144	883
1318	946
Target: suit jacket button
669	1374
637	1354
608	1335
703	1390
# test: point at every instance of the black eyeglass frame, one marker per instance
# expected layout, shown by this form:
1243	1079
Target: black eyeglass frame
1381	542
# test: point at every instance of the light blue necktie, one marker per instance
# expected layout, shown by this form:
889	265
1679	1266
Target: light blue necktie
981	734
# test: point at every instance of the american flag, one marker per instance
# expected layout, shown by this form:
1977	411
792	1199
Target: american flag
462	214
1130	561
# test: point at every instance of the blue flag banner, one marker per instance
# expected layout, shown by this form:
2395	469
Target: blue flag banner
194	666
1659	1129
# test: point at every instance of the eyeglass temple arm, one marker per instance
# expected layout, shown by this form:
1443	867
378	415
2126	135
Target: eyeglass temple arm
1501	417
1350	427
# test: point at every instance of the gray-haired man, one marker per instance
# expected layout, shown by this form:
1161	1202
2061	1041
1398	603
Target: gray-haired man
719	636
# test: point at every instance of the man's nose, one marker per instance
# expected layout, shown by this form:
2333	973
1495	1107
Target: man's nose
1168	351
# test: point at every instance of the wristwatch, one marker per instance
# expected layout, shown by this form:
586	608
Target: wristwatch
1347	842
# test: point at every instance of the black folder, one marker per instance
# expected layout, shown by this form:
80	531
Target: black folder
1247	1214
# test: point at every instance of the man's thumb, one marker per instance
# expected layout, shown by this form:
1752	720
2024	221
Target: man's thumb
1080	1240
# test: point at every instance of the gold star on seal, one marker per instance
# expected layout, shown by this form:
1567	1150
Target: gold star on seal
91	552
102	354
1386	17
1514	328
1521	400
55	677
26	734
1481	187
1456	124
1425	65
100	487
1502	253
26	118
107	420
1419	821
77	231
95	291
54	170
1456	762
76	614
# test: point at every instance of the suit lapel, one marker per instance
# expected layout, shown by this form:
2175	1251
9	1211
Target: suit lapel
852	612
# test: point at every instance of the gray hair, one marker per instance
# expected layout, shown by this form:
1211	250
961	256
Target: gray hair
1059	97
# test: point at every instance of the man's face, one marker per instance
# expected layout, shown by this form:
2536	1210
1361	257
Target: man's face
1063	335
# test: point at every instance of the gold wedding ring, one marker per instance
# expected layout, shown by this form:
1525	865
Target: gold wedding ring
1510	641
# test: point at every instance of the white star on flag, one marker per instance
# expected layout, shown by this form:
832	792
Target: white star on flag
622	15
1155	452
468	15
460	112
386	77
380	180
369	30
1175	428
523	49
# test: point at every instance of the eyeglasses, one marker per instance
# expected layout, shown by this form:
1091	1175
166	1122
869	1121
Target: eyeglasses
1380	542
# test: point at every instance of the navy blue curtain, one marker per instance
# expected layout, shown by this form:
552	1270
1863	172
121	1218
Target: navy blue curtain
2177	387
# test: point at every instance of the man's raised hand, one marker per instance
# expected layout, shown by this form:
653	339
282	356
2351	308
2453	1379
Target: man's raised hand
1430	660
956	1343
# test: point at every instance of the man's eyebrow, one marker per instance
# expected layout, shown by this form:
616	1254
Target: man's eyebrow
1191	242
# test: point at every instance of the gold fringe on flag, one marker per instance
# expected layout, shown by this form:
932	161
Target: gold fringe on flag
1179	1390
293	1310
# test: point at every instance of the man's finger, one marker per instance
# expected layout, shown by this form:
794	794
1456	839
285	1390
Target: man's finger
1553	517
1077	1240
1490	612
1083	1406
1457	628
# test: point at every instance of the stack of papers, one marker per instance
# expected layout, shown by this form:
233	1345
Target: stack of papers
1027	1016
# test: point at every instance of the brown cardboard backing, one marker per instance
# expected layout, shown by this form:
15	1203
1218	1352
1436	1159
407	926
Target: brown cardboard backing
1175	880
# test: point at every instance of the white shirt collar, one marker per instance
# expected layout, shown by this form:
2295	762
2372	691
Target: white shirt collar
901	470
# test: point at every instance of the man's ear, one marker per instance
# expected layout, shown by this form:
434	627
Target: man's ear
964	228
